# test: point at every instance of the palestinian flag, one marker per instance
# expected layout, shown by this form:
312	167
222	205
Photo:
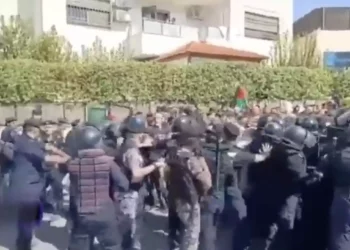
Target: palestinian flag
241	98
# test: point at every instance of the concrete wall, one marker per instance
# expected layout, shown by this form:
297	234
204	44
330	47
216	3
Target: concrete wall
333	40
79	111
55	111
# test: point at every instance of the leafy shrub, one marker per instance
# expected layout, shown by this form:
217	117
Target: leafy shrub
24	81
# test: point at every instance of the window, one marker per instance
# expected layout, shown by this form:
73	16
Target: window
86	16
76	15
260	26
99	18
163	16
152	13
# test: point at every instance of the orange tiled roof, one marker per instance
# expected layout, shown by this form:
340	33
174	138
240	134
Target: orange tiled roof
206	49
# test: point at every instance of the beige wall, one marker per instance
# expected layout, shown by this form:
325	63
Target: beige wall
335	41
79	111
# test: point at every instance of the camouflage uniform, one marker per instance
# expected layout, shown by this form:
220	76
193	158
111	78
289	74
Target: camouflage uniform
131	202
190	217
188	181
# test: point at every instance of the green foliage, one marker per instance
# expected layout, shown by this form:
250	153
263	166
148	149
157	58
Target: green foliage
16	38
44	68
18	41
97	53
24	81
300	51
50	47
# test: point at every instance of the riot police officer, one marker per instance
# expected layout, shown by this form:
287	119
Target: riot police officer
256	143
189	180
112	138
27	178
134	165
337	165
8	135
271	205
92	208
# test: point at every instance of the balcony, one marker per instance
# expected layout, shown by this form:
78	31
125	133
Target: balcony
180	31
160	37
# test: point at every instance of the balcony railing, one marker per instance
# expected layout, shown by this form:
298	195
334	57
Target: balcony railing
215	33
160	28
175	30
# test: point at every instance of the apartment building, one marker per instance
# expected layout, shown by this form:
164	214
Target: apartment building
155	27
331	27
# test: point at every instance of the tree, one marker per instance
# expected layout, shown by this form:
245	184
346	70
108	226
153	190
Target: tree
15	38
17	41
301	51
50	47
98	52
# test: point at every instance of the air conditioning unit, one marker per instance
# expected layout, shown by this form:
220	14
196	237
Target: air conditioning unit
121	16
195	12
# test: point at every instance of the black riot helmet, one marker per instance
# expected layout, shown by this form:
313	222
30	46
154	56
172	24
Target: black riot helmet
299	120
110	138
289	121
310	124
324	122
136	125
104	125
88	137
263	120
299	137
342	117
187	126
113	131
101	126
279	121
273	129
71	142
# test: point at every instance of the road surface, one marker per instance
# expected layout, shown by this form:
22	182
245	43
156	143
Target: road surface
155	236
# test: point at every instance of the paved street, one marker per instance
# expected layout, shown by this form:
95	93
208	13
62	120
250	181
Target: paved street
56	238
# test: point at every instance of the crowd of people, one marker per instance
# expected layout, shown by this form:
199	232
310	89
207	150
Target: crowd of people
228	180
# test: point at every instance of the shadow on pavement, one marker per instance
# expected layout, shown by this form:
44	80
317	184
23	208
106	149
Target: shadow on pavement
55	236
154	237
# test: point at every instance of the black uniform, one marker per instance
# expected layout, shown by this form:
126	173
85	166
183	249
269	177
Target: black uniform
274	197
94	178
337	166
27	181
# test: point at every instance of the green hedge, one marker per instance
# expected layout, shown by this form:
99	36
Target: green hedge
23	81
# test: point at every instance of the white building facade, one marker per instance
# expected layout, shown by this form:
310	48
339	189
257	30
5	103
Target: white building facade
154	27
